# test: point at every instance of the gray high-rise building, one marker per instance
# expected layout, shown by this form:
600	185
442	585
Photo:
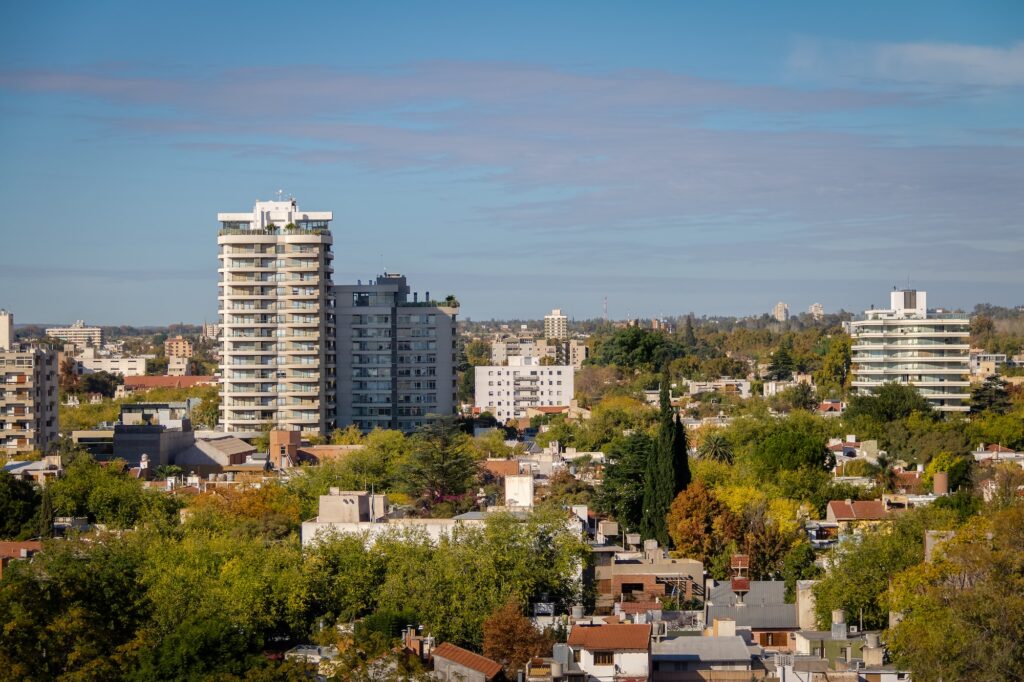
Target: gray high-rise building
395	357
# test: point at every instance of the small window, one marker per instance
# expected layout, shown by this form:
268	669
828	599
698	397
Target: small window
604	658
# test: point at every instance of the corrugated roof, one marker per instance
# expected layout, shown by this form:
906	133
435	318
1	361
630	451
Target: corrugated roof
228	445
619	637
476	662
704	649
761	592
755	616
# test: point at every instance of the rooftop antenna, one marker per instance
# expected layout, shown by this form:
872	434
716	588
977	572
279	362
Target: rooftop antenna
605	308
280	195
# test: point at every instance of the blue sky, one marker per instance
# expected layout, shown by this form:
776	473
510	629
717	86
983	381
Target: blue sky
674	157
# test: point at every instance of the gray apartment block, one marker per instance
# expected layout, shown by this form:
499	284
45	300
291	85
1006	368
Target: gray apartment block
395	356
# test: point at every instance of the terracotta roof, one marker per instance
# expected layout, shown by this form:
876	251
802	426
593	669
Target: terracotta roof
861	510
166	382
468	659
998	448
501	468
12	550
619	637
551	409
830	407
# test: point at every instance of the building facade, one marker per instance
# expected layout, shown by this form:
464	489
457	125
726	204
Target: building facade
909	344
178	347
78	334
89	361
507	391
780	312
556	325
28	399
395	357
277	322
817	311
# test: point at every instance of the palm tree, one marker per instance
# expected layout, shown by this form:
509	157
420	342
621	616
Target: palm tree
716	447
69	374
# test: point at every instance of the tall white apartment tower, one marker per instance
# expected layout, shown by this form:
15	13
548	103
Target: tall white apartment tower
780	312
556	325
909	344
6	329
276	319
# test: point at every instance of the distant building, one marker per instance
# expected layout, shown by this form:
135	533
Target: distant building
211	330
507	391
179	366
178	347
91	361
556	325
817	311
523	345
578	352
617	651
278	330
909	344
780	312
6	329
78	334
395	357
28	396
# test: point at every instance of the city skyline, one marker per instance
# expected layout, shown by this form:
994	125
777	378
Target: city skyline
673	159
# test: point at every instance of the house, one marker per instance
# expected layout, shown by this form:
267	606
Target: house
455	664
724	656
616	652
759	605
647	576
830	408
15	551
853	516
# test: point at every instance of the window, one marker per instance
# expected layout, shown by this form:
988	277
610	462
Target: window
604	658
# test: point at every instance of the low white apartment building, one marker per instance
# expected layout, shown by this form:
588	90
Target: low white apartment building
78	334
909	344
507	391
90	361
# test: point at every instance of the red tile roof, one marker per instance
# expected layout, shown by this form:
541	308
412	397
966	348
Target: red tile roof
476	662
998	448
861	510
166	382
618	637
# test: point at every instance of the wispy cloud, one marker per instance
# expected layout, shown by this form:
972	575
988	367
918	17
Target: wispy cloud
919	63
603	165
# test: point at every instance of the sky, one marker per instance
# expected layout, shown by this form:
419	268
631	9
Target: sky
673	157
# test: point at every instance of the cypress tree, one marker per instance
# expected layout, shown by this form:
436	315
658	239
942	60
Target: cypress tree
667	473
680	457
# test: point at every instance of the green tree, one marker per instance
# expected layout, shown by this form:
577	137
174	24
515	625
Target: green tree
781	366
799	564
888	402
478	352
963	613
441	463
791	449
991	396
716	447
861	571
834	375
622	490
19	505
667	471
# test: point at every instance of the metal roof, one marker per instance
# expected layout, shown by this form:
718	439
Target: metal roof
704	649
